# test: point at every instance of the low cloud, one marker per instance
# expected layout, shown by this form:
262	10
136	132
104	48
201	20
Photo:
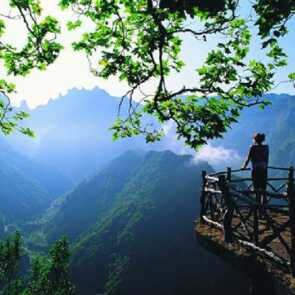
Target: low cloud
217	156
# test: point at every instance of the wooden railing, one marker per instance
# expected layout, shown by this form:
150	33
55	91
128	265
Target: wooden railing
230	203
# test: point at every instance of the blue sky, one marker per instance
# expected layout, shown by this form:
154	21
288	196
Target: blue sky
288	44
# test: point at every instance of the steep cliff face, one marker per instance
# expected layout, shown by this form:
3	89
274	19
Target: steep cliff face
263	276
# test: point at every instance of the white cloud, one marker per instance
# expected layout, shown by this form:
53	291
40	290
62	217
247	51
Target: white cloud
168	128
217	156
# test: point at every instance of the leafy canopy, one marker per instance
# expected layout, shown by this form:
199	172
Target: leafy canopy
39	50
140	42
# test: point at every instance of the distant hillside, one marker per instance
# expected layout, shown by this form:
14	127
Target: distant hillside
276	121
132	228
26	188
90	201
73	133
282	135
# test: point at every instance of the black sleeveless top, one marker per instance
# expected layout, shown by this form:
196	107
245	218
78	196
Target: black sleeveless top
258	155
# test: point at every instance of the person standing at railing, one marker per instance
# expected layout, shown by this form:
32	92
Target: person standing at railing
258	155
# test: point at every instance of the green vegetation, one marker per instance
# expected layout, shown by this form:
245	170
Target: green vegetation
276	123
282	136
26	187
88	203
137	199
116	275
39	50
120	220
140	41
47	273
114	219
133	216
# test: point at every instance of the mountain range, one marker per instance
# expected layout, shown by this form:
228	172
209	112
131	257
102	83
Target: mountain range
73	136
276	121
132	229
72	133
26	187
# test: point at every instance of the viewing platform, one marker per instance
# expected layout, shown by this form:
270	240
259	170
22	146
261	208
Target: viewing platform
256	236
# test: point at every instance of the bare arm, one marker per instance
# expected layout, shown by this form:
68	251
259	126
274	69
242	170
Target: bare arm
247	160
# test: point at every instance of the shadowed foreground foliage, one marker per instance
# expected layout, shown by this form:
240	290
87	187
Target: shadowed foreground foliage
48	275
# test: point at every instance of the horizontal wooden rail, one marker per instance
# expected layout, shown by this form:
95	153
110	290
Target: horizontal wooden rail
241	179
217	173
240	170
209	177
278	168
213	191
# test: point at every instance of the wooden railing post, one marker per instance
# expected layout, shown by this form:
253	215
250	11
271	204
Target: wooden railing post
228	174
256	213
256	225
291	198
203	196
228	216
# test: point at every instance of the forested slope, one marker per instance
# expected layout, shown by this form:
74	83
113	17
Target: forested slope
132	229
276	121
26	188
